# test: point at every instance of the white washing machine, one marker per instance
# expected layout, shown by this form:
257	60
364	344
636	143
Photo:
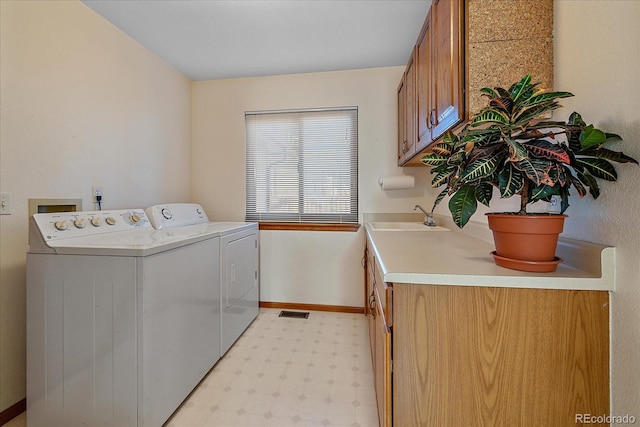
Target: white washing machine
239	263
122	319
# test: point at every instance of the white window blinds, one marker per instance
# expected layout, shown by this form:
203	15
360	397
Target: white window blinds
302	166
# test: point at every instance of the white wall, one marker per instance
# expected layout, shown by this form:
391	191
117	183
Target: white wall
597	51
301	266
82	104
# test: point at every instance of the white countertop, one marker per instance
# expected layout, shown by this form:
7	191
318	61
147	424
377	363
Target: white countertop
457	258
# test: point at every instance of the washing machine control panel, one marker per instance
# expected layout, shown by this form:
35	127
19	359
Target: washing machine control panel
175	215
61	225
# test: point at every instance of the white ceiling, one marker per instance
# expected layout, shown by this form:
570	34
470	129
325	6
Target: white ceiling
219	39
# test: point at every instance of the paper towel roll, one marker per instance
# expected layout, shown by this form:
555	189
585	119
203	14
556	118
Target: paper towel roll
397	182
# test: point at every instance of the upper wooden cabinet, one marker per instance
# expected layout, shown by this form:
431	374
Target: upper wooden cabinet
461	48
436	72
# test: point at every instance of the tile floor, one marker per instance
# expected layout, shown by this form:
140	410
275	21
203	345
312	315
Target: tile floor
287	372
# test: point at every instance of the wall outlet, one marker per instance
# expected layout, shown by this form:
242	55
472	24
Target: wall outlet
554	205
96	192
5	204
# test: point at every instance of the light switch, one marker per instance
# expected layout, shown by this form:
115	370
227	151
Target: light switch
5	204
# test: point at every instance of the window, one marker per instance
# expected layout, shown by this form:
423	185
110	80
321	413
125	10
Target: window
302	166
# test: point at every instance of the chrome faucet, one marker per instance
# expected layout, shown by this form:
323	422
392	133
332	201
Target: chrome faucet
428	217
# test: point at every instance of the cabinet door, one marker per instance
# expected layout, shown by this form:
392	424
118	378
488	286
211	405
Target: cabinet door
382	364
407	113
365	267
370	295
424	84
402	120
447	27
372	330
494	356
410	108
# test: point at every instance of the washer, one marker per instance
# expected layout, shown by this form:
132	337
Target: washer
122	319
238	255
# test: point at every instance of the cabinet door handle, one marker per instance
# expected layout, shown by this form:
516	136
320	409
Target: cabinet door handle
432	117
363	261
372	301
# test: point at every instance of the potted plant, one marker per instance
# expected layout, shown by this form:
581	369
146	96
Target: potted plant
510	146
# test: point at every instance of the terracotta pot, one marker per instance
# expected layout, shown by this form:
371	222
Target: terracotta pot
530	238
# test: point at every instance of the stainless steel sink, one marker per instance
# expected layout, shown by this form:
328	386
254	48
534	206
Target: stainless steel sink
404	226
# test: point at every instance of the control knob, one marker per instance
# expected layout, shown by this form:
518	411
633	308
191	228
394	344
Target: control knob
96	222
61	225
166	213
79	223
110	220
135	218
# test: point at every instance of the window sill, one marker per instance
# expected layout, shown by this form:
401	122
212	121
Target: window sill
308	226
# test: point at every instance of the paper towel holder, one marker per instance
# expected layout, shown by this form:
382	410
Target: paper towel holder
400	182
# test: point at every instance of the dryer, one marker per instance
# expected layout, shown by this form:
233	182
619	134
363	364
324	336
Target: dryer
239	263
122	319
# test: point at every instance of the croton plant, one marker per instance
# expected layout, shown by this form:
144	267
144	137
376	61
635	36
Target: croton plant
509	146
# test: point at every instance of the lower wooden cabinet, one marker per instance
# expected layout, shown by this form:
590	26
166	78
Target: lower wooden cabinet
382	365
488	356
380	338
